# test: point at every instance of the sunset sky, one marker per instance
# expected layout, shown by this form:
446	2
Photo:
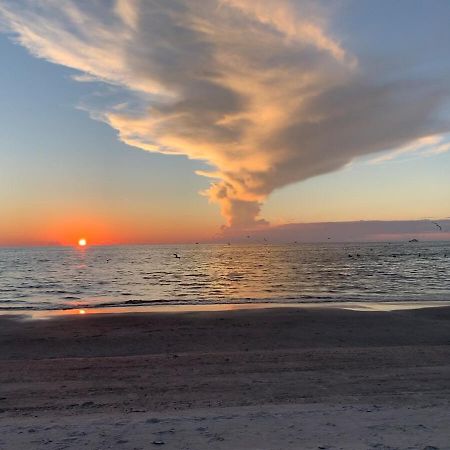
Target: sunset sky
174	120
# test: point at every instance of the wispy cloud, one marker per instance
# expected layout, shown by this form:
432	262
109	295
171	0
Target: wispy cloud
425	146
261	90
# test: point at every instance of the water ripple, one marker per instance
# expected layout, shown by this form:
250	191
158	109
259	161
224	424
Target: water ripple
61	278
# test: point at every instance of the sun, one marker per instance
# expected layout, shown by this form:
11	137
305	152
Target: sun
82	242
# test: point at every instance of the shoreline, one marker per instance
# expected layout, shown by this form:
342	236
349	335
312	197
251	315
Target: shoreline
247	378
369	306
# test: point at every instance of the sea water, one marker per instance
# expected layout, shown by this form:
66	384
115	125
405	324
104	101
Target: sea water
55	278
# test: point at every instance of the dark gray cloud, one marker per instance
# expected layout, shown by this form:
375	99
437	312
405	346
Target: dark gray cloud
350	231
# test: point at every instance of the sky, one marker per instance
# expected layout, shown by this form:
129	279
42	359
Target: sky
181	121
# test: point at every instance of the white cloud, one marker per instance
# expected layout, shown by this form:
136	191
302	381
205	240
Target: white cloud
260	89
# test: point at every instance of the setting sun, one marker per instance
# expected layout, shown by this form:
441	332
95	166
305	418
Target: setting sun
82	242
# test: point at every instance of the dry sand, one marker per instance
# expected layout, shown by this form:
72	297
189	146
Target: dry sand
260	379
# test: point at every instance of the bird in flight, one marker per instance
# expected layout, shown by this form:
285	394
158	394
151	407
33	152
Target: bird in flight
435	223
177	255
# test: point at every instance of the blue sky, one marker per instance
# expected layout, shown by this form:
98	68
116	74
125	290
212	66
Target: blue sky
54	156
57	162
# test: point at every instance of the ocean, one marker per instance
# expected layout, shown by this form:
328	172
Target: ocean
60	278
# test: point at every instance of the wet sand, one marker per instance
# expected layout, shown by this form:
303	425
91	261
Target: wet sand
260	379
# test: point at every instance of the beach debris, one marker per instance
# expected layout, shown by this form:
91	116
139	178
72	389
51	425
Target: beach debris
87	404
153	420
216	437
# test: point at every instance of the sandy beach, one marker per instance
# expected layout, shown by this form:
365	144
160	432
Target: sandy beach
299	378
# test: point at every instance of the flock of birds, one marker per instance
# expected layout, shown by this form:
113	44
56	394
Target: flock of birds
177	256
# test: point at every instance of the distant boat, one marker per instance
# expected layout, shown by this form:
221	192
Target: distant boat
413	240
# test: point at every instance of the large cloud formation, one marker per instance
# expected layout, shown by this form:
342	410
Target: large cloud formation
258	89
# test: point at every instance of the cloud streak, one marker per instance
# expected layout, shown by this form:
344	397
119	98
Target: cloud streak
261	90
425	146
350	231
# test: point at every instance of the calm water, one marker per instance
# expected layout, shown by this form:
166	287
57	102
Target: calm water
65	278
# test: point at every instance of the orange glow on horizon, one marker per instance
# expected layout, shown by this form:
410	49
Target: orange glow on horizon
80	229
60	229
